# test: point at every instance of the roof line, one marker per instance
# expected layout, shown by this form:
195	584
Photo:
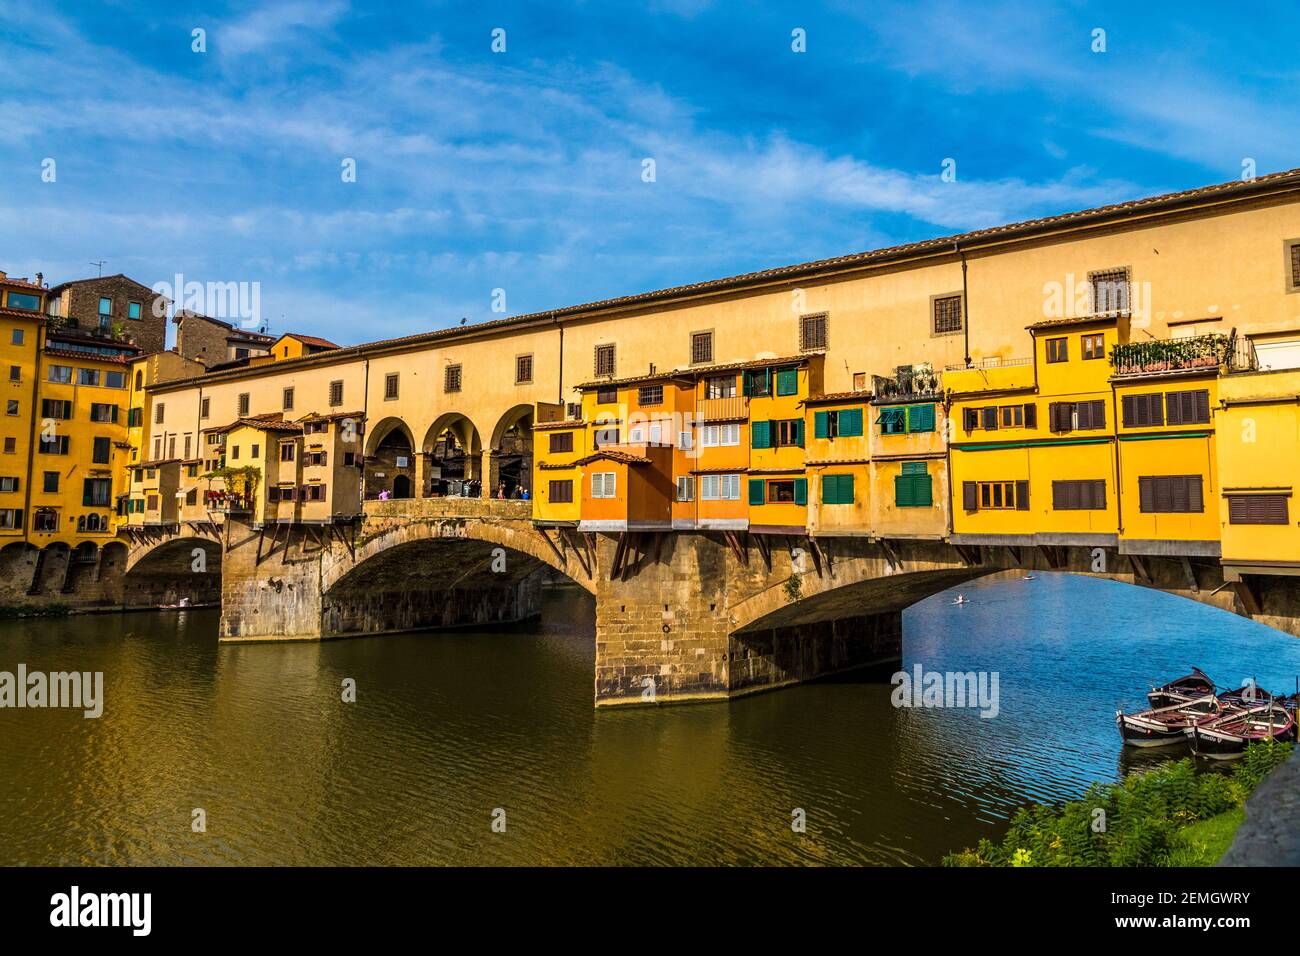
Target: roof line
1234	190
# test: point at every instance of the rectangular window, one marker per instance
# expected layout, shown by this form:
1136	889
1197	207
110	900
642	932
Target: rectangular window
15	373
60	374
1171	494
1258	509
11	406
604	360
105	306
561	442
1013	416
24	302
1143	411
243	404
451	379
11	518
523	369
55	408
837	489
787	433
892	421
561	492
1067	416
95	492
914	486
390	387
287	399
1109	291
1093	346
205	408
721	487
1058	350
947	314
17	337
11	445
45	519
720	386
604	484
102	450
606	396
787	381
1079	495
1187	408
686	488
103	413
287	451
714	436
812	333
88	376
158	413
133	310
115	379
8	484
53	444
780	492
51	482
650	395
701	348
995	495
1293	262
336	394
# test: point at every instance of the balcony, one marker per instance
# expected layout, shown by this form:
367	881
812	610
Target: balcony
1176	355
909	383
732	409
991	375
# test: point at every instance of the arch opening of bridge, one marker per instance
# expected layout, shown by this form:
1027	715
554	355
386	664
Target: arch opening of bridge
163	573
451	457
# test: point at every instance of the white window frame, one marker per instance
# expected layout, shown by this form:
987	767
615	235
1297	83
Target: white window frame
684	441
604	484
686	488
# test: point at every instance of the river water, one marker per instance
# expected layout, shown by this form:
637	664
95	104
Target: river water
449	727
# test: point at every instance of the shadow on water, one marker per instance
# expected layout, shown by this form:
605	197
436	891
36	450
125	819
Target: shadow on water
449	727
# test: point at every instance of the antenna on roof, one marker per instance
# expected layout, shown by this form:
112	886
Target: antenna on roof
99	263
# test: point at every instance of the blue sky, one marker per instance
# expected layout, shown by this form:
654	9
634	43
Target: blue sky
522	170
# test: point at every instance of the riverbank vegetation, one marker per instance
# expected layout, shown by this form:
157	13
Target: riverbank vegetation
1170	816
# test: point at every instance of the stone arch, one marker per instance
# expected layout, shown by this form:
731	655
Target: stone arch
18	560
168	572
512	451
519	536
451	455
390	453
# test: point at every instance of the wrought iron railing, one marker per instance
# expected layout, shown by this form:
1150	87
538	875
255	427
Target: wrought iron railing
1167	355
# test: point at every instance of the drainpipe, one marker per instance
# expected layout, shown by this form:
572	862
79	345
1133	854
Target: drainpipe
36	417
965	303
1119	487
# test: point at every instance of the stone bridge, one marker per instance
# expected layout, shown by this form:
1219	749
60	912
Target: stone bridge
679	616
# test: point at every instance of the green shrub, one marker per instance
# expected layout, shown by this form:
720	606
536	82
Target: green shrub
1144	820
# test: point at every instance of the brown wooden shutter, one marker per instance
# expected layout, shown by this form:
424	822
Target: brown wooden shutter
1258	509
1146	494
1031	415
1084	412
970	418
1202	406
1129	407
991	418
1098	494
970	496
1155	414
1098	413
1022	496
1195	494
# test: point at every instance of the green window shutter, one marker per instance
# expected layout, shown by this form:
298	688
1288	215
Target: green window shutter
761	434
830	489
787	382
801	491
798	432
923	491
756	491
920	418
903	491
821	424
846	489
915	468
85	491
851	422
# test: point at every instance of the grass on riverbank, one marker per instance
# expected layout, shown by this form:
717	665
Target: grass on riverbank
1170	816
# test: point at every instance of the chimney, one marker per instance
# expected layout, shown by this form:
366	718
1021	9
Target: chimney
40	277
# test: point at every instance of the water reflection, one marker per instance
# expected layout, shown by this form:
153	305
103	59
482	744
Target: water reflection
449	726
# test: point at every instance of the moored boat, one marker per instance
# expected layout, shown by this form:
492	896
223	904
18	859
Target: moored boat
1183	690
1168	725
1225	737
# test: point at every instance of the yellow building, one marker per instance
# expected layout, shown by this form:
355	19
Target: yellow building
21	305
777	477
